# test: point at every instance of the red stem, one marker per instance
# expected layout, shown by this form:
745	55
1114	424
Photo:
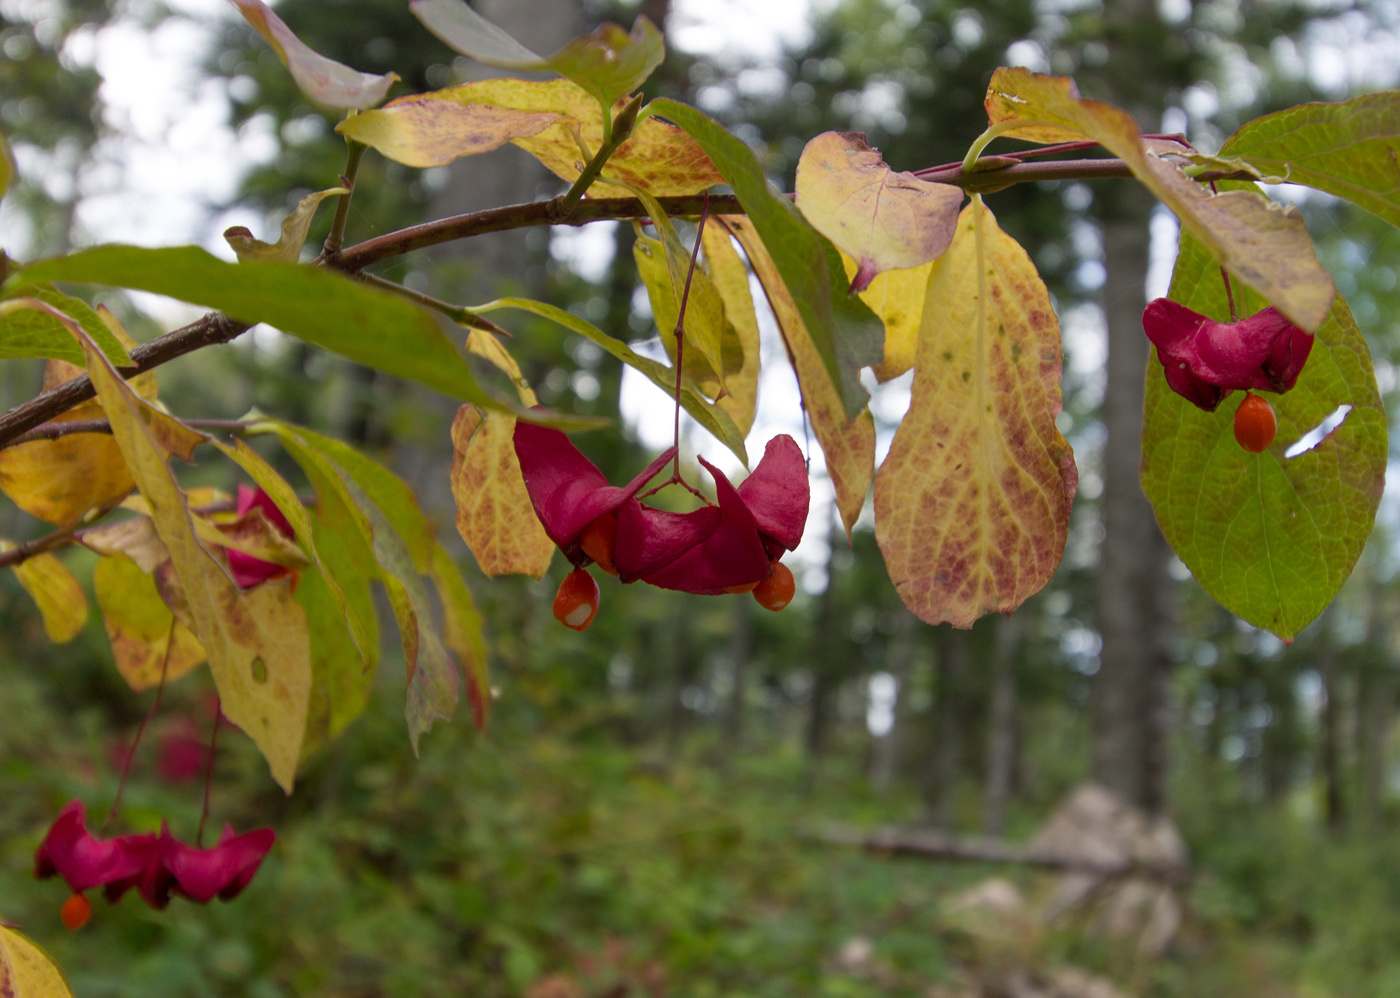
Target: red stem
209	773
135	742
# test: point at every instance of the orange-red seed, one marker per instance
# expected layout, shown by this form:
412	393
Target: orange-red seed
599	541
776	591
576	602
1255	424
76	912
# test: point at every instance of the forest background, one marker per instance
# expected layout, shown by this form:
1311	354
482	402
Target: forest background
644	815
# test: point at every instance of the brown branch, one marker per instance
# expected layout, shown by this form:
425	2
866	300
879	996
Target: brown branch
210	330
936	846
517	216
53	431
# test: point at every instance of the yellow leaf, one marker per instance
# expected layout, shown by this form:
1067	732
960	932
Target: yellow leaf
294	229
849	446
494	515
257	641
708	336
882	219
486	346
424	130
897	297
60	480
138	625
972	503
731	280
658	157
136	538
54	590
1265	245
26	971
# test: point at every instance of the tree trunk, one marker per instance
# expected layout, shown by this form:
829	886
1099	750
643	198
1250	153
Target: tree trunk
884	765
740	641
1331	749
823	657
1001	723
1130	711
941	785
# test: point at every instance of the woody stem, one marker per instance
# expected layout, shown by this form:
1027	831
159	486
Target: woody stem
1229	294
209	775
135	742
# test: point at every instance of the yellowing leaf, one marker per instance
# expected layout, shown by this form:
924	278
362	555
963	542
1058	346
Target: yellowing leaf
138	625
325	81
136	538
461	630
494	515
286	500
972	503
7	165
897	297
884	220
26	971
711	345
608	63
60	480
1268	247
54	590
731	280
257	641
657	157
486	346
849	445
294	229
424	131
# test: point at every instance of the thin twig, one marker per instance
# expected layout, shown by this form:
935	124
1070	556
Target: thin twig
52	541
210	330
136	742
209	773
53	431
331	248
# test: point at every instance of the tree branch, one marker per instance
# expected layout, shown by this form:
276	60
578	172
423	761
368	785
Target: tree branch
53	431
210	330
935	845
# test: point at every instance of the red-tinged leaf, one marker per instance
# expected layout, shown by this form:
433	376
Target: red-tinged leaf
1265	245
972	503
882	219
608	63
848	444
324	81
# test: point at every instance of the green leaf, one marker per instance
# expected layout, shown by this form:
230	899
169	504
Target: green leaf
27	332
607	63
461	627
1271	538
325	81
340	683
847	335
294	229
317	305
7	165
1346	149
286	500
706	413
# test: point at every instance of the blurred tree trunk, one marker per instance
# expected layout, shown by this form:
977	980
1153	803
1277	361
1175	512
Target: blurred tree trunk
823	657
1001	723
1331	748
740	643
1375	707
941	778
685	667
884	763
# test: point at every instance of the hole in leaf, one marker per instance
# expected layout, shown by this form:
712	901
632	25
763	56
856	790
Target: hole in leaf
259	671
1319	433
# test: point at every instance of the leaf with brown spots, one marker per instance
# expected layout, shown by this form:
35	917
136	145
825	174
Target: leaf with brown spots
972	503
849	445
26	971
54	590
658	157
494	515
1265	245
884	220
424	130
257	641
138	625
